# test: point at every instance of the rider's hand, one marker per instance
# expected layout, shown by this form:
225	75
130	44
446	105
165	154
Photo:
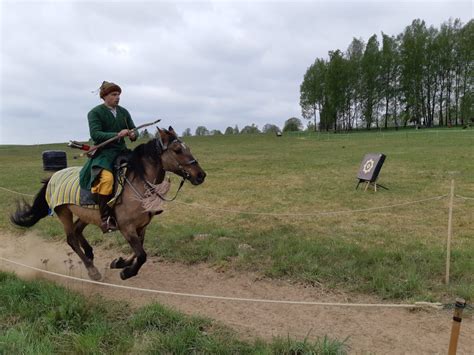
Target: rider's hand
123	133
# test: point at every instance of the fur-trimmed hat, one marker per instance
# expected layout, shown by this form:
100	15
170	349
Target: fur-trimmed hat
106	88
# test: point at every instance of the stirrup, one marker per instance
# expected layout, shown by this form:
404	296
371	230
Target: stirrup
109	225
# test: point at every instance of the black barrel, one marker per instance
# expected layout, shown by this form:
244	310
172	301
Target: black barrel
54	160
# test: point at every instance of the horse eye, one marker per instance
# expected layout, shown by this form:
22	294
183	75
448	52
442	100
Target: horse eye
178	151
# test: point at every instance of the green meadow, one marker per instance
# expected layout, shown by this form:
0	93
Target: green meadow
260	209
39	317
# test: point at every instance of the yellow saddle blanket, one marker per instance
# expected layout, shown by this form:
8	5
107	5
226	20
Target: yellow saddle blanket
63	189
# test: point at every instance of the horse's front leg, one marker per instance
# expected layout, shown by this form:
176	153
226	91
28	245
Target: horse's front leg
136	244
120	263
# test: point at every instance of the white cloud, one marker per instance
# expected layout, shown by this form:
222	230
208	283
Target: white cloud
215	63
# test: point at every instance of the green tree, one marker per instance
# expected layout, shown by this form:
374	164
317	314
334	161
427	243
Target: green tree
187	132
422	75
388	73
271	128
216	132
443	44
202	131
229	130
413	47
371	81
312	90
467	107
465	71
253	129
335	105
292	124
354	55
430	77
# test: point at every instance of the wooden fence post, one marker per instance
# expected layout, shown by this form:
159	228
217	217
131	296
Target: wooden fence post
456	327
450	230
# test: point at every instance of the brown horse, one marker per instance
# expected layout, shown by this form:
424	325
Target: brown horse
147	168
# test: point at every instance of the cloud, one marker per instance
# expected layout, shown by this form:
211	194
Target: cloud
215	64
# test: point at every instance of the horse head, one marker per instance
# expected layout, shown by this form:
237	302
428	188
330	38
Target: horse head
176	157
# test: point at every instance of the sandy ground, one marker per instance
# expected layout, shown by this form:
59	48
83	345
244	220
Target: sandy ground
368	330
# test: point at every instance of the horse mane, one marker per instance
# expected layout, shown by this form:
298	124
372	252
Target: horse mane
145	150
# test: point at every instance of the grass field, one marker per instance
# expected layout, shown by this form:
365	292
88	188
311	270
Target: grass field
38	317
396	253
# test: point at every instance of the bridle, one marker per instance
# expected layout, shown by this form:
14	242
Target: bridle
161	148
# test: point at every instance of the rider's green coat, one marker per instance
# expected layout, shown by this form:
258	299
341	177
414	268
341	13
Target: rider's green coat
102	126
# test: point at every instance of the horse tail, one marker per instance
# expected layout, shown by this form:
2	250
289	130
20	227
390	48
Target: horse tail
27	215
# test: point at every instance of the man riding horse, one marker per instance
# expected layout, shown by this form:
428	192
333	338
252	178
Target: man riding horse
106	121
141	196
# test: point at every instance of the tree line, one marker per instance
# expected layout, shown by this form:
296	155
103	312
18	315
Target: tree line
291	124
422	76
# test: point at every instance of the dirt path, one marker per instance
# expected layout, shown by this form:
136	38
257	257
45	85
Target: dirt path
380	330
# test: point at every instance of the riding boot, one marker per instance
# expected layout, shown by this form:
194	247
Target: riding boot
108	222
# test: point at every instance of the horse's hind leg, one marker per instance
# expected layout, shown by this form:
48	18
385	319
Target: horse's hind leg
65	216
79	226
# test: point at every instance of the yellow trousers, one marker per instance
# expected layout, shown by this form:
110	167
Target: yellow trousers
104	184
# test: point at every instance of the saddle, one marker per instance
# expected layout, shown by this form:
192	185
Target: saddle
88	198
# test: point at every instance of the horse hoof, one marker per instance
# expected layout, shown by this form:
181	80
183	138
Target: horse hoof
125	274
117	263
94	274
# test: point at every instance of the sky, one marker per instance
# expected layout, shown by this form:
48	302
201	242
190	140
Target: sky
214	63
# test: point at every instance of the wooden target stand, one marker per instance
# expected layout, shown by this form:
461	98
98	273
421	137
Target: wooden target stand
369	171
370	183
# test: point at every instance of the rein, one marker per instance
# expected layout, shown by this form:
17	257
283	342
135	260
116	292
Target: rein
164	198
140	196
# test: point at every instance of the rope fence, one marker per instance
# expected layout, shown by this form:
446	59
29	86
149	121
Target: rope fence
435	305
15	192
451	196
319	213
284	214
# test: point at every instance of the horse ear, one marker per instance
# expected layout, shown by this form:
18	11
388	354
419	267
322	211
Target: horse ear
171	129
160	132
162	136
